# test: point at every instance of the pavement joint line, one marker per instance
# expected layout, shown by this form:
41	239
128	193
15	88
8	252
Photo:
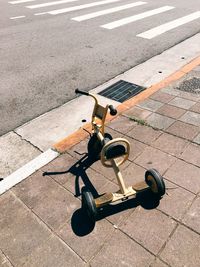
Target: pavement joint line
23	139
79	135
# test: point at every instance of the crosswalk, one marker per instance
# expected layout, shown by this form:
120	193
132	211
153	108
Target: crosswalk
121	6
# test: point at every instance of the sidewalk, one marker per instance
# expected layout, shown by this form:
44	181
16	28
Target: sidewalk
41	221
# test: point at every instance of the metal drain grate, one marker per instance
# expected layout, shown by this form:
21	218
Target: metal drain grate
191	85
121	91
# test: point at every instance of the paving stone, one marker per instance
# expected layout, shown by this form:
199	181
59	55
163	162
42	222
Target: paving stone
108	172
162	97
192	217
184	130
196	108
89	178
182	103
137	112
154	158
192	154
190	96
20	231
122	124
59	169
171	111
183	249
150	104
159	121
176	202
51	202
53	253
150	228
171	91
4	261
197	139
144	134
86	244
170	144
122	251
185	175
191	118
133	174
136	148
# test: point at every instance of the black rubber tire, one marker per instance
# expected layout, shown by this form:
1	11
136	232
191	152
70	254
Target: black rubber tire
94	146
155	182
88	204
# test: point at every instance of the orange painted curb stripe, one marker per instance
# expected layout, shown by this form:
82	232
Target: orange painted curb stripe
79	135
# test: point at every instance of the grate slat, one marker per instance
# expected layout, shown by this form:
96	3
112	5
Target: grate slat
122	91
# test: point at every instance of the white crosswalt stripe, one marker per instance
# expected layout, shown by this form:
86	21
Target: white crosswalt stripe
69	9
20	1
19	17
107	11
50	4
169	26
140	16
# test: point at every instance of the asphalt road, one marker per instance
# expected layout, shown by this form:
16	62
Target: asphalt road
43	58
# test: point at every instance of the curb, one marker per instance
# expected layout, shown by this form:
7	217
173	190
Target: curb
63	145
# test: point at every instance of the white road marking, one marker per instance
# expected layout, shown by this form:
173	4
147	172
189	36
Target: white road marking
39	14
140	16
19	17
50	4
20	1
27	170
69	9
169	26
107	11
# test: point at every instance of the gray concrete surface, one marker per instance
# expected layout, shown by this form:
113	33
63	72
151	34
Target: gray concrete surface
44	58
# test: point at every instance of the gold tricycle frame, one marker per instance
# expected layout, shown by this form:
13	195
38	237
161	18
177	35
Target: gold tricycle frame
113	153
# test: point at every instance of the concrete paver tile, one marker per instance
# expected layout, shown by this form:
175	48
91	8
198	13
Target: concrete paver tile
189	96
122	251
176	202
137	112
192	154
197	139
85	244
196	108
53	253
144	134
159	121
171	111
133	174
154	158
61	167
185	175
182	249
21	232
122	124
183	130
162	97
191	118
150	104
136	148
79	150
50	201
150	228
182	103
170	90
4	261
192	217
90	178
170	144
